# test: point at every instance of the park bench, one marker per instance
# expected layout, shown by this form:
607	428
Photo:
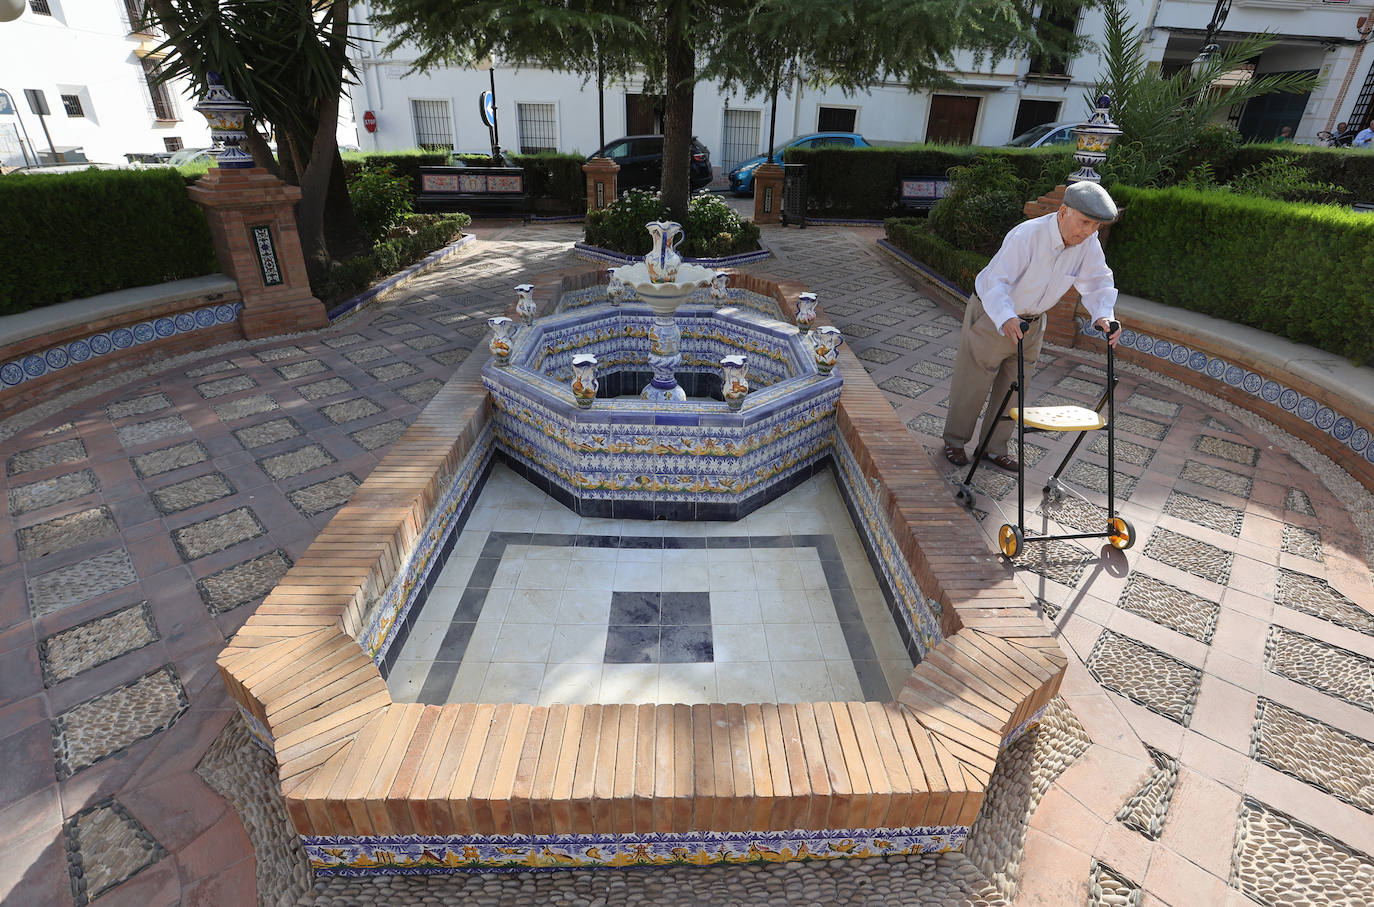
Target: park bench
474	190
920	193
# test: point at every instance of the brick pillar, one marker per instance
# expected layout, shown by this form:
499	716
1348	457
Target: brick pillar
768	194
253	225
601	182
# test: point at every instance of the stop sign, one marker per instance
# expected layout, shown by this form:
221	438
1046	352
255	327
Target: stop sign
370	121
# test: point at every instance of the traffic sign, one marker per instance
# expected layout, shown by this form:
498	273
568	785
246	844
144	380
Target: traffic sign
369	121
486	106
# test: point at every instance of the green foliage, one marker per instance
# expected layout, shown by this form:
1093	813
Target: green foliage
422	234
712	228
985	201
402	163
1166	122
1284	178
864	182
78	234
1214	253
556	177
914	237
380	199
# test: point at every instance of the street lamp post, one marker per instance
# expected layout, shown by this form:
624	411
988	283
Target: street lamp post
1209	47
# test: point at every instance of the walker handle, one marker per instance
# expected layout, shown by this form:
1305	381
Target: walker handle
1024	325
1113	327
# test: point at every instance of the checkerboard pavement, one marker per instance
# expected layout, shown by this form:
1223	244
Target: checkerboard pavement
1221	668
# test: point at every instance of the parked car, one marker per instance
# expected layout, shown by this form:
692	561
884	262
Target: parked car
641	161
191	156
1045	134
742	177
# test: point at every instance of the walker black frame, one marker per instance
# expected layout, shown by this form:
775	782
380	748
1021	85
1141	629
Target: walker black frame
1011	538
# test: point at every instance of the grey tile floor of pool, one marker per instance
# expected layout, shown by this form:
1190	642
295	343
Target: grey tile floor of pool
538	605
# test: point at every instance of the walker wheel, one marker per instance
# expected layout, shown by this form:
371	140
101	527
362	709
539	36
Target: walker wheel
1010	540
964	495
1120	533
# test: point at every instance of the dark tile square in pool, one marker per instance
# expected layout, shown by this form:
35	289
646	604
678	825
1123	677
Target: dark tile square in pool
686	608
634	609
632	645
680	645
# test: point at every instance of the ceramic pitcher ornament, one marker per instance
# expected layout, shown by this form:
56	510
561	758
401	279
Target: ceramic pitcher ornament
826	341
734	382
720	281
584	379
663	260
806	311
500	344
524	302
616	289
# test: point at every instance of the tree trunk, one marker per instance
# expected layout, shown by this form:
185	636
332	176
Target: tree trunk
677	114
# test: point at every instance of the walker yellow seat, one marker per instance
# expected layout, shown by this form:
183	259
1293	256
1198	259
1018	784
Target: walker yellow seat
1059	418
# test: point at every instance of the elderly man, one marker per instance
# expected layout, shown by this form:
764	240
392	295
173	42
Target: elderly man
1365	136
1039	260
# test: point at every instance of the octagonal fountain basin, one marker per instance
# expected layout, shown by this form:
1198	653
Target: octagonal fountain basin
628	457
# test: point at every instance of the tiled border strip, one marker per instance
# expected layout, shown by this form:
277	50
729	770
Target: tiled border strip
596	253
401	278
353	764
1283	399
427	855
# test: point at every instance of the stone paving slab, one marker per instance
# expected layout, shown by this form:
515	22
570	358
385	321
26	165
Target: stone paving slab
1233	519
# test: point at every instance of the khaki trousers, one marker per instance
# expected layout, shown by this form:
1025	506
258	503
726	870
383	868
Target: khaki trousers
983	370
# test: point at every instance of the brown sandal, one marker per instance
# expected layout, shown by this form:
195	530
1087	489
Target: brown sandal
956	455
1006	461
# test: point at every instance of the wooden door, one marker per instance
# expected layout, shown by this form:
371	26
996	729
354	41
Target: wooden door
952	119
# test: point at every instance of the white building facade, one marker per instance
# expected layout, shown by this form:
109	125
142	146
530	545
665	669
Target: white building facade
94	69
543	109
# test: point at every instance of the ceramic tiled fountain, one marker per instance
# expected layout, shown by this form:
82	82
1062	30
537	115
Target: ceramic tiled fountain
632	399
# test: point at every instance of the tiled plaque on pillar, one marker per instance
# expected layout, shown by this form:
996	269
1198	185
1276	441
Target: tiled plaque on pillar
267	255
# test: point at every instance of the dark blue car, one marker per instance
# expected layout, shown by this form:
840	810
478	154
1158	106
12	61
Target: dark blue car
742	177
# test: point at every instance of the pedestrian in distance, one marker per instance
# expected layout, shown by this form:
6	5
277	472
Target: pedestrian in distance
1039	260
1365	136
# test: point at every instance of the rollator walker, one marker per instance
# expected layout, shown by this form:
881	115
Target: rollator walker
1012	538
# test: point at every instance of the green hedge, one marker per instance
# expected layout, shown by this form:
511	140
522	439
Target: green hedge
1351	168
72	235
912	235
1305	272
557	179
863	182
430	232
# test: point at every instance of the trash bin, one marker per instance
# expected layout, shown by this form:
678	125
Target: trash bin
794	195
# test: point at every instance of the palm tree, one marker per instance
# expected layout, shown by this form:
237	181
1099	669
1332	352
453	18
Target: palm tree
1161	117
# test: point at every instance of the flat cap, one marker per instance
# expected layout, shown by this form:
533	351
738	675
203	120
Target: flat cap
1091	199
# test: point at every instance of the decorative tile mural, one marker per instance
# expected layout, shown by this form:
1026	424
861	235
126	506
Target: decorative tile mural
425	855
91	346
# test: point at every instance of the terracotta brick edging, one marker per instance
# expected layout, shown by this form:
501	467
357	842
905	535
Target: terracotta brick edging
356	766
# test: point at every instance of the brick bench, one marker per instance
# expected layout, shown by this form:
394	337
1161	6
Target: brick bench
51	349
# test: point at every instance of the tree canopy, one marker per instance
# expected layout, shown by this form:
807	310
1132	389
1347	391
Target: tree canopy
756	46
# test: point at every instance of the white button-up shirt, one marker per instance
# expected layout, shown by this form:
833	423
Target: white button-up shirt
1033	270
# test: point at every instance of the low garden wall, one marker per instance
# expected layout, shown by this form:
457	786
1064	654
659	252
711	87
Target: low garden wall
49	350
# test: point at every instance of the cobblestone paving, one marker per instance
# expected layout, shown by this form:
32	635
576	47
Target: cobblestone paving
61	533
261	436
1316	597
1164	685
1196	557
217	533
66	654
1335	671
1280	861
109	723
105	846
1312	751
50	592
243	583
1170	606
1148	807
1109	888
